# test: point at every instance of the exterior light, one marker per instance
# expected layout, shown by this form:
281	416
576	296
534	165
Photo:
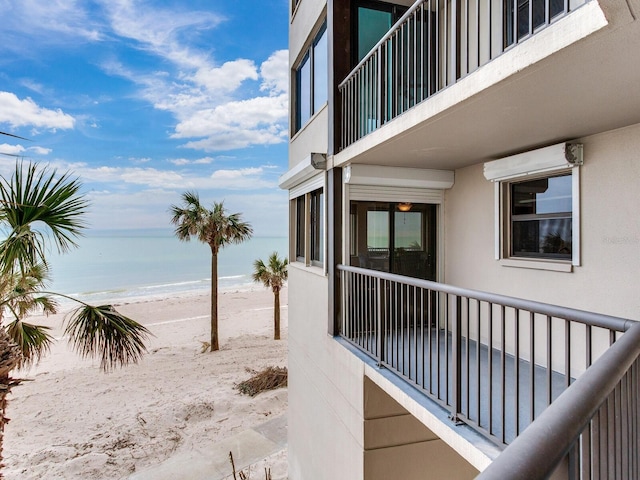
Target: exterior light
404	207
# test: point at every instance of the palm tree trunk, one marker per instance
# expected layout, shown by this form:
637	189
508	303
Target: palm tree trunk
9	358
214	302
276	314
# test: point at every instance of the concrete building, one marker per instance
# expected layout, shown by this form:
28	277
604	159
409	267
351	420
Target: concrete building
464	239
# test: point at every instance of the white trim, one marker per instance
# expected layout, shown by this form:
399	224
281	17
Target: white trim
395	194
575	217
304	170
497	215
562	157
548	159
537	264
377	175
311	184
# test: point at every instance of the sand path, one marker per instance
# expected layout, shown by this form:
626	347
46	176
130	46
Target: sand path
74	422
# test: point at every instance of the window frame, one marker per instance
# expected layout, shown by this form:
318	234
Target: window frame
300	118
308	227
504	223
316	227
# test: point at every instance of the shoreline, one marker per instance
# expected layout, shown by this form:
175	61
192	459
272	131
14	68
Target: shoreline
73	421
152	293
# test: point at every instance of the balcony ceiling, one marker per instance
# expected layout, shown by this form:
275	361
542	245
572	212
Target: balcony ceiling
590	86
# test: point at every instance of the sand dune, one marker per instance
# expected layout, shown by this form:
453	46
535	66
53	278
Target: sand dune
74	422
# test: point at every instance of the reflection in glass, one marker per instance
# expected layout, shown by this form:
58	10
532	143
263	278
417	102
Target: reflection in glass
541	218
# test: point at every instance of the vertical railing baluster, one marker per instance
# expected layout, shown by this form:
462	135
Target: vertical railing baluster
516	359
549	364
478	35
567	353
467	37
490	28
586	452
611	438
532	367
447	348
588	349
438	355
380	325
478	345
396	326
490	368
467	361
503	372
422	363
624	428
415	330
456	356
379	88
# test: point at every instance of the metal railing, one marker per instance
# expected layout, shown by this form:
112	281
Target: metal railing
433	45
591	431
495	362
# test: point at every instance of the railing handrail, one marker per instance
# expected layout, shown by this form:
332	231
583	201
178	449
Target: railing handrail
537	451
391	31
581	316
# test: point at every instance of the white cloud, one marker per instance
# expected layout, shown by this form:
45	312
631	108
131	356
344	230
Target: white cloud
40	150
240	179
158	30
20	113
11	149
203	95
275	72
226	78
246	114
184	161
66	19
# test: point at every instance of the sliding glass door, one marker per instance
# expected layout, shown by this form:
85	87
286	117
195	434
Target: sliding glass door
394	237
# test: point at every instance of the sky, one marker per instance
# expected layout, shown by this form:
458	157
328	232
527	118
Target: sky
144	100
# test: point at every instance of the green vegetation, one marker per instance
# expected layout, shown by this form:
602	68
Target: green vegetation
273	274
215	228
40	209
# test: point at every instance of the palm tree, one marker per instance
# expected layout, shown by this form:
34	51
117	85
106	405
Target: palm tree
215	228
273	275
38	207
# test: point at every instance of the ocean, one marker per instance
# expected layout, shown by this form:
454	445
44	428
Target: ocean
114	266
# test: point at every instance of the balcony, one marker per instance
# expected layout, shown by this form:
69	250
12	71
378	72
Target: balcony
557	387
455	82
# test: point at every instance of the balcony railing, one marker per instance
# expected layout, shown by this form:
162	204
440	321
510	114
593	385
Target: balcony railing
592	430
436	43
495	362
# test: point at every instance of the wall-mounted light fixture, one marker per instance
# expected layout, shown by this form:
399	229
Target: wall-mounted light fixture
404	207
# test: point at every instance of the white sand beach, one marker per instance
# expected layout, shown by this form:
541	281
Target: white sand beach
75	422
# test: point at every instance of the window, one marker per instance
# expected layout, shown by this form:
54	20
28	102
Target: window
537	207
300	228
530	14
394	237
540	218
373	20
312	80
317	227
308	214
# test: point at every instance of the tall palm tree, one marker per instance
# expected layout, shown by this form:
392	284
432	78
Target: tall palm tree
273	275
37	208
215	228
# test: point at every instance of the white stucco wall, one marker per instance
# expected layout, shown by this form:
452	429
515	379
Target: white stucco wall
607	280
325	388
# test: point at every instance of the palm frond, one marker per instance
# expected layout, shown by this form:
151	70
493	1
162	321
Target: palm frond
102	331
273	274
34	341
36	201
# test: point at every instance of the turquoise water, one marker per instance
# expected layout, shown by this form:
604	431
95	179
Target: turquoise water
115	265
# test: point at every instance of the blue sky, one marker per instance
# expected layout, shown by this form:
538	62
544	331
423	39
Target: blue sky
146	99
